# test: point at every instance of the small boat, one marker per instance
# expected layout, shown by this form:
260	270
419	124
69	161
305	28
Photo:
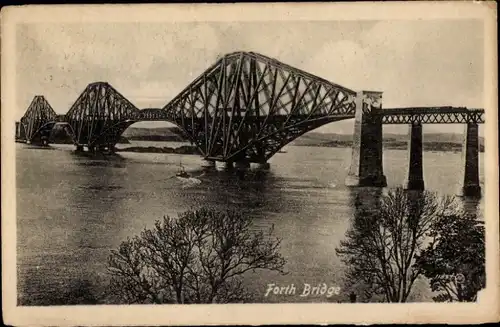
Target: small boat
182	173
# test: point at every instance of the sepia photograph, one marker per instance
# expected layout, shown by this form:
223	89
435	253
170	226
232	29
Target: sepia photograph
180	157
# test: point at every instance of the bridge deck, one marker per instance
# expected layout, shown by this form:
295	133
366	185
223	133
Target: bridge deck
432	115
430	110
409	115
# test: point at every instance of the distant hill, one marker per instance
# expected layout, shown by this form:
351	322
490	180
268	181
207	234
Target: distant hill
61	135
432	141
313	137
155	134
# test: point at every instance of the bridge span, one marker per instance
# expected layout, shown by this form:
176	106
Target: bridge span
246	107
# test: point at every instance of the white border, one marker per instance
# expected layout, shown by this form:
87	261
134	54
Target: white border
487	308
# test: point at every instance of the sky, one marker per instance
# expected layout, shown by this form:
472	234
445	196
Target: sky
414	63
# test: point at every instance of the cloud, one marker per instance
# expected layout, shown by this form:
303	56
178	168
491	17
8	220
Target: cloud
60	60
154	94
343	62
413	63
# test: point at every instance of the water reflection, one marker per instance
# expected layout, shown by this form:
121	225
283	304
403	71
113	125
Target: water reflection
65	240
380	244
242	190
364	200
98	159
365	203
471	205
100	183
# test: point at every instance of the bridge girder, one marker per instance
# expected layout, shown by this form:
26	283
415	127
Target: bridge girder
234	110
36	122
152	114
100	115
432	115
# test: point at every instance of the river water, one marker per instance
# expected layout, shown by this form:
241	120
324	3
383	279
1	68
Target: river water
73	209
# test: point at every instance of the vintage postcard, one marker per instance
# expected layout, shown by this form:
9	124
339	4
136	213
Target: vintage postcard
250	164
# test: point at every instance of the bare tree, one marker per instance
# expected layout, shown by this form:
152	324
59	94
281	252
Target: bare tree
199	257
381	247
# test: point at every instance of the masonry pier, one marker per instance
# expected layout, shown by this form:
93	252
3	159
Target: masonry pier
19	130
223	165
241	165
470	161
207	163
415	161
366	162
261	165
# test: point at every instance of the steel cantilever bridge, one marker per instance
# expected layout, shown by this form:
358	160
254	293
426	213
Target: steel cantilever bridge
244	108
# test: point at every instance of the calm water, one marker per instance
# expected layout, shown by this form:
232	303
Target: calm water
72	210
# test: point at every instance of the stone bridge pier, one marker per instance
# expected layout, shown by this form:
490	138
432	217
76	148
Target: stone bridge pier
208	163
469	165
366	162
238	165
415	158
224	165
470	161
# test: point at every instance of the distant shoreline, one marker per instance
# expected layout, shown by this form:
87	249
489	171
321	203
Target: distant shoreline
187	149
429	146
432	142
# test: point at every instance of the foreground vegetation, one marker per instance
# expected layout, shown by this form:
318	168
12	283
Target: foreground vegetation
411	235
200	257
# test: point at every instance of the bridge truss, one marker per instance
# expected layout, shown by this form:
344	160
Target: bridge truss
432	115
38	120
248	106
244	107
100	115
